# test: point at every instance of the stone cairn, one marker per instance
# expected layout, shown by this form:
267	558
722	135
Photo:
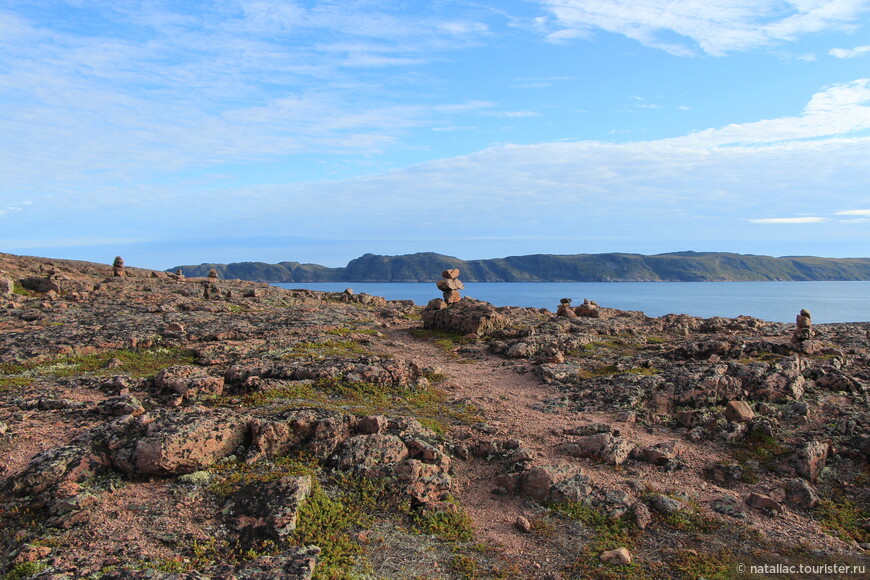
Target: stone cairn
213	274
589	309
804	330
450	286
118	267
565	309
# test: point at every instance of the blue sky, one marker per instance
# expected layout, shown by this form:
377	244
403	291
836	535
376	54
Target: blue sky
175	132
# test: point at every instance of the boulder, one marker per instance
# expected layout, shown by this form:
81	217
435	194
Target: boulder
122	405
664	504
7	285
316	432
183	443
465	317
810	460
365	454
739	412
267	511
800	493
663	453
604	446
36	284
55	467
537	482
763	502
189	381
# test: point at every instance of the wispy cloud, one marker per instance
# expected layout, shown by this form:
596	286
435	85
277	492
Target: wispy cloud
849	52
859	212
836	110
686	27
791	220
166	88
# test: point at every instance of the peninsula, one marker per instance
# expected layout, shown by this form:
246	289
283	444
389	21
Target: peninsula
612	267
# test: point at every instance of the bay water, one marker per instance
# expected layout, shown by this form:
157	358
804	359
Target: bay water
774	301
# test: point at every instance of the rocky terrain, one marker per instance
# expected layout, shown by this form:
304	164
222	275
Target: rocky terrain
157	426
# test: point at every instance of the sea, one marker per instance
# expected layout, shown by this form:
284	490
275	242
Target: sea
773	301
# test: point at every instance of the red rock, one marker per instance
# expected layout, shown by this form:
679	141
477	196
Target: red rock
763	502
538	481
811	459
739	412
450	274
365	453
449	284
452	296
182	444
523	525
619	556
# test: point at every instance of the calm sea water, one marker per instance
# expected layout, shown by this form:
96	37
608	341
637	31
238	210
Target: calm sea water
775	301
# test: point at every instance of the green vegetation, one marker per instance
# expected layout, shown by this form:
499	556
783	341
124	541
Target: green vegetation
608	533
17	288
448	526
12	383
141	363
24	570
428	405
844	519
329	523
232	476
761	449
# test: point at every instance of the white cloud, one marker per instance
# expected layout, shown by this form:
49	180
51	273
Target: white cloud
862	212
849	52
835	110
792	220
682	27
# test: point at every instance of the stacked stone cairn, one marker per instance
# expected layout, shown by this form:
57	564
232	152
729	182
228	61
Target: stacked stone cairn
804	330
565	309
213	274
450	286
118	267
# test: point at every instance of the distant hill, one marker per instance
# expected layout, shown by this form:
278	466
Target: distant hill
672	267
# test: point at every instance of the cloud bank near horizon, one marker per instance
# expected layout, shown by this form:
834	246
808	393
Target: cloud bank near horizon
719	181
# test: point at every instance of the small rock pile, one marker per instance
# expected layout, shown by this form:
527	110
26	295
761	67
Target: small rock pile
804	330
213	274
450	286
118	267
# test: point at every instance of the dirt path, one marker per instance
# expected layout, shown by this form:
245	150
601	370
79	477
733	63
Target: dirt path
505	396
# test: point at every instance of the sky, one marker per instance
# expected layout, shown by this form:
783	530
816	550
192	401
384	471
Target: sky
182	132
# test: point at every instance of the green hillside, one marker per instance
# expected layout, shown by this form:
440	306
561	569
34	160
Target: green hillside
672	267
